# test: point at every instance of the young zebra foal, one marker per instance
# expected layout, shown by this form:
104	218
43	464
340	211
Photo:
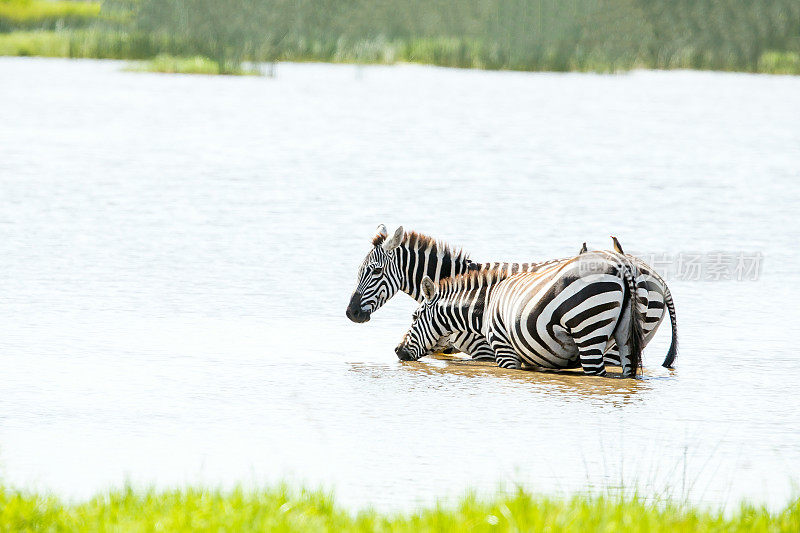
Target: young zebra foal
556	318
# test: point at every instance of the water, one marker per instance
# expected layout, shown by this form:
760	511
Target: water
177	254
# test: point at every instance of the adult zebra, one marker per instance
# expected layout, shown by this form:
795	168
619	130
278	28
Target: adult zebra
565	314
399	263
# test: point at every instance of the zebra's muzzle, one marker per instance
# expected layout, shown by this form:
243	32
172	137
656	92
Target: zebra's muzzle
402	353
355	312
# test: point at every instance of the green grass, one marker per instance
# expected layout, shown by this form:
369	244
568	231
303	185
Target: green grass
77	44
779	63
168	64
284	509
46	14
94	44
35	43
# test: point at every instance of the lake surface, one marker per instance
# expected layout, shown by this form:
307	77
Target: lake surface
177	252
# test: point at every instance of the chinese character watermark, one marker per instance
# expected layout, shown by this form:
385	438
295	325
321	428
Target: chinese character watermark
698	266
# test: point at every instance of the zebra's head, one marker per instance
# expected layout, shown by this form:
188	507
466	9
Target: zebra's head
427	330
378	276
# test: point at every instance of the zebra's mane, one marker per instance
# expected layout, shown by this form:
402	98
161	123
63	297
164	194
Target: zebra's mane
412	239
473	279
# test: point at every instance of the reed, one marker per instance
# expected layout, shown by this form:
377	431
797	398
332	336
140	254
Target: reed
34	43
585	35
79	44
773	62
589	35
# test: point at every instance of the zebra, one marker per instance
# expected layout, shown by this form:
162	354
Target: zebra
398	263
559	317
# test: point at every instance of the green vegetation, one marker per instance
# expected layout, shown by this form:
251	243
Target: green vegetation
284	509
185	65
586	35
88	43
35	43
779	63
45	14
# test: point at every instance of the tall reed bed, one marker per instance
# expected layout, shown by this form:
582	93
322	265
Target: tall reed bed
598	35
555	35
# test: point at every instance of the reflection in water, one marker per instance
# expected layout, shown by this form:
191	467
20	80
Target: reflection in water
569	384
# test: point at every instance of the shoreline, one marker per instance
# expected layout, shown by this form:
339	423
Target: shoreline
139	66
80	44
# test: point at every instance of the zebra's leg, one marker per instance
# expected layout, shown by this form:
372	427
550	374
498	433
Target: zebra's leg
590	352
481	350
507	358
504	353
484	354
611	357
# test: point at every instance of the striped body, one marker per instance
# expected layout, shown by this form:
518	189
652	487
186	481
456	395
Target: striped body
562	316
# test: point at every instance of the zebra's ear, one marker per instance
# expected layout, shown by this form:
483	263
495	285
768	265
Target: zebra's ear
382	232
428	288
394	241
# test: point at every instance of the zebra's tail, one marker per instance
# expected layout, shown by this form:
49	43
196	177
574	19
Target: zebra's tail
637	320
673	347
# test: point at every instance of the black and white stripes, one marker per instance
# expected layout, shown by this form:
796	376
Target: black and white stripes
558	317
400	262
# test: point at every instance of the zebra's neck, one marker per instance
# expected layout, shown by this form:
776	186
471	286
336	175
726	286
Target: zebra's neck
463	308
419	256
